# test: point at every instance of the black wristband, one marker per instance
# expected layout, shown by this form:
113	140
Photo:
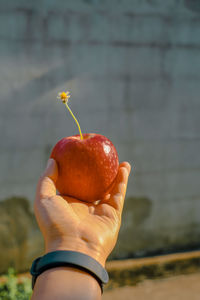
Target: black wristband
72	259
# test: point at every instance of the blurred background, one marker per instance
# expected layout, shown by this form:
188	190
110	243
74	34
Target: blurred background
133	70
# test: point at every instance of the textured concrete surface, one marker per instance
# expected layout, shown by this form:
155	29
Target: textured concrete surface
133	70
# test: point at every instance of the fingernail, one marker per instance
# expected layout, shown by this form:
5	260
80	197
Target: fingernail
129	171
130	167
49	163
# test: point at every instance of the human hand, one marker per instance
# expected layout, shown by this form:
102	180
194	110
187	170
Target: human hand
70	224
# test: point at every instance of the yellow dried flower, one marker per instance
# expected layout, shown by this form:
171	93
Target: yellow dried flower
64	96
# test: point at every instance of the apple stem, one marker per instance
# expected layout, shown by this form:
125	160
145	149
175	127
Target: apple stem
79	128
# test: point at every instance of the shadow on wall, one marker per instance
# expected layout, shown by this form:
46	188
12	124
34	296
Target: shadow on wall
193	5
20	238
140	209
132	236
136	240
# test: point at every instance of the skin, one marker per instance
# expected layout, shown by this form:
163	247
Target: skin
69	224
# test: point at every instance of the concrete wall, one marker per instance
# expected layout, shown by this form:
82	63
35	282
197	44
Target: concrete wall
133	69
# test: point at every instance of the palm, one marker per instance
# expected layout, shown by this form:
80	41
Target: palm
67	223
92	220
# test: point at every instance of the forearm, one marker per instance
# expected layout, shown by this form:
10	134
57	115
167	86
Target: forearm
66	283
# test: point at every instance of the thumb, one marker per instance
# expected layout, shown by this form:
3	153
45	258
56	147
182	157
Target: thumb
46	185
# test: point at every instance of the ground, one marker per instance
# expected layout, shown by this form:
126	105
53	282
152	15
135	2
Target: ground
182	287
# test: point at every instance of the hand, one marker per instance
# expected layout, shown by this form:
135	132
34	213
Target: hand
70	224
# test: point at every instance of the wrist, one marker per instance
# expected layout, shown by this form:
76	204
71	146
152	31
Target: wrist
77	245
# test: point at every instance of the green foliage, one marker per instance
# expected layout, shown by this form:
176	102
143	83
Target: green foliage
12	290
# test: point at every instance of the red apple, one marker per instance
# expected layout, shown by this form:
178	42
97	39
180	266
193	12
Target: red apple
87	167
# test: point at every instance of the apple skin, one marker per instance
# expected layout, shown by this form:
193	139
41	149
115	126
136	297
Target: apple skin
87	168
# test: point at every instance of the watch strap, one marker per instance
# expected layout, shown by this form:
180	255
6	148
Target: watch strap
72	259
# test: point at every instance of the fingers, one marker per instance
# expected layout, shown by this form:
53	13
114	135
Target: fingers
46	185
118	192
126	165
